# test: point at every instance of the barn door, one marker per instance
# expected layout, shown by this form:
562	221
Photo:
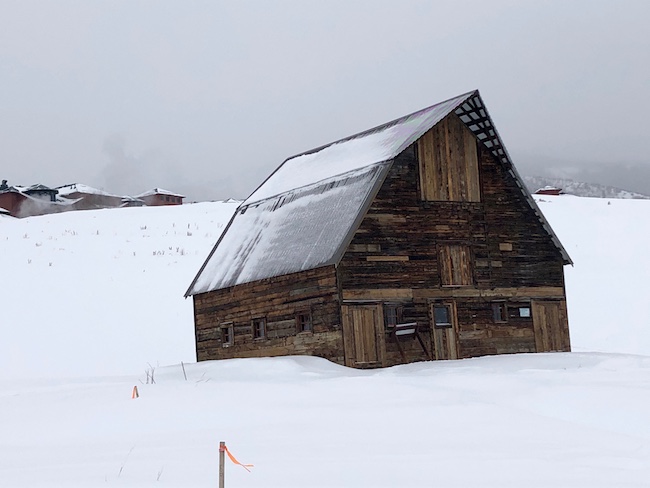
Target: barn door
443	320
363	335
551	325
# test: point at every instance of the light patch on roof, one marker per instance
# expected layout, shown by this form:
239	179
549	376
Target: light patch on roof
370	147
299	230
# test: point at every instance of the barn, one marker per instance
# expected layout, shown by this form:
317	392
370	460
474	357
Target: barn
414	240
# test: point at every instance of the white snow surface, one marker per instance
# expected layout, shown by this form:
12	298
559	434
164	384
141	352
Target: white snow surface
351	154
101	291
89	323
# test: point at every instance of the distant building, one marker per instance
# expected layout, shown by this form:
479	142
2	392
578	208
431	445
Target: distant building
158	196
549	190
89	198
28	201
132	202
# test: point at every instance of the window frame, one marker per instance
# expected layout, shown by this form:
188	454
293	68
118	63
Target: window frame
230	334
300	323
500	312
450	316
254	322
399	314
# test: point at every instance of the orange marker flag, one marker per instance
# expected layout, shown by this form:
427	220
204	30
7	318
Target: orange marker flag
134	393
232	458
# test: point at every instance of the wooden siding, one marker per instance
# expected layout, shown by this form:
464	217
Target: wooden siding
363	335
469	252
551	325
448	163
455	265
277	300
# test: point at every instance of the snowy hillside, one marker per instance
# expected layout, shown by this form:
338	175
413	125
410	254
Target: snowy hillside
97	295
608	241
101	291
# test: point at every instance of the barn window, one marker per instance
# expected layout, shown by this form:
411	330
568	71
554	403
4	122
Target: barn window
442	315
227	335
455	267
259	328
499	312
303	322
392	315
524	311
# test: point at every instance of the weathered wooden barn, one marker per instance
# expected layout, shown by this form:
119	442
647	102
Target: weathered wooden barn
414	240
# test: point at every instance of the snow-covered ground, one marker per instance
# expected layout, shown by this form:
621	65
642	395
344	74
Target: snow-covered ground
100	292
88	299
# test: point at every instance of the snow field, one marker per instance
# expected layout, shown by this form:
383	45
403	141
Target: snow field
90	300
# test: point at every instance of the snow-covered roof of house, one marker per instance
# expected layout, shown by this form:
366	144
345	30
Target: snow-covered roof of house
159	191
304	215
81	188
38	187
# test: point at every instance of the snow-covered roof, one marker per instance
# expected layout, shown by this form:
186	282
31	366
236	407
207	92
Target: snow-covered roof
299	230
159	191
382	143
305	213
81	188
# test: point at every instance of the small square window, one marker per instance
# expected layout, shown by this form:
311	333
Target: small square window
442	315
227	335
392	315
524	311
500	312
303	322
259	328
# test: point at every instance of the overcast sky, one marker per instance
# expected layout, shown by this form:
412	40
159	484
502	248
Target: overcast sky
207	98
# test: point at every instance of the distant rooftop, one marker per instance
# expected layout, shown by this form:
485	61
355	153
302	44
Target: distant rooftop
159	191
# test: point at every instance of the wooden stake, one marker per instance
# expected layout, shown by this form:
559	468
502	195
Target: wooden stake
222	463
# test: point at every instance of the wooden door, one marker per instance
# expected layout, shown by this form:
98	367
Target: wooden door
444	325
363	335
551	325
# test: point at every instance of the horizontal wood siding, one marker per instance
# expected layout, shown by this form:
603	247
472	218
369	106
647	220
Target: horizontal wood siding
479	335
400	249
278	300
529	257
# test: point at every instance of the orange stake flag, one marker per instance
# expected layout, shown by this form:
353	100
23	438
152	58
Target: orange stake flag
232	458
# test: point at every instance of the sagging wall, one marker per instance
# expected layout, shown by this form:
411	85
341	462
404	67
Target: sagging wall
278	301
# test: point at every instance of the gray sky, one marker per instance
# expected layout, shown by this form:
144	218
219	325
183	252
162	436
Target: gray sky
207	98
